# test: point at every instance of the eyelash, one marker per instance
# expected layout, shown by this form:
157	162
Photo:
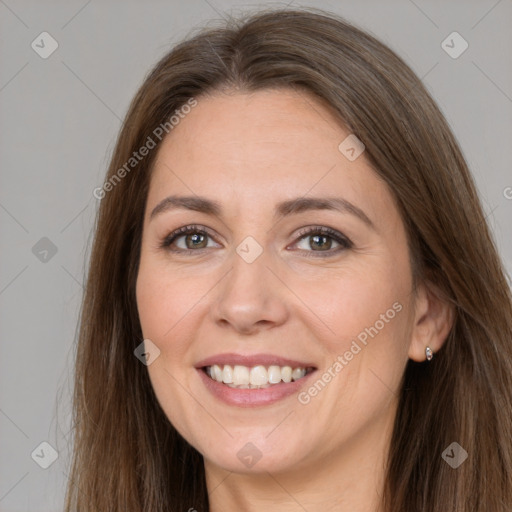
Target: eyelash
342	240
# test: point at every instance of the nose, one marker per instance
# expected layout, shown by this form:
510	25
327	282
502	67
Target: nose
250	298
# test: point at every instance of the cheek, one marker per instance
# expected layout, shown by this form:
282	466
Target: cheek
161	295
163	317
369	313
366	309
349	300
159	304
152	299
169	307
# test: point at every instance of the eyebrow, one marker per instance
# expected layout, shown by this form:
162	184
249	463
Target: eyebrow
282	209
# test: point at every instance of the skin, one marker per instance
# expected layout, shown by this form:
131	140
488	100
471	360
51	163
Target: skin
250	151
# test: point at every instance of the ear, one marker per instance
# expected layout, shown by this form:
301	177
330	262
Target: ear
433	320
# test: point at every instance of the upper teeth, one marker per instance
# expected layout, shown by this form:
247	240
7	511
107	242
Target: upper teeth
257	376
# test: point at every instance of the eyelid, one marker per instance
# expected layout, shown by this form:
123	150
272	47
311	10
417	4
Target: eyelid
320	229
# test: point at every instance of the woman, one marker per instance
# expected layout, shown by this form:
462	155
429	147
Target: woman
294	300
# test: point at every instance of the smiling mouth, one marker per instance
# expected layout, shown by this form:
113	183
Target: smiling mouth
255	377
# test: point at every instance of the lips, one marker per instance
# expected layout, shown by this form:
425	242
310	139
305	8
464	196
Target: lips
254	393
233	359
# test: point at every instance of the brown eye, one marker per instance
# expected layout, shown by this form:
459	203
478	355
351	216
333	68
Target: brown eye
320	240
194	239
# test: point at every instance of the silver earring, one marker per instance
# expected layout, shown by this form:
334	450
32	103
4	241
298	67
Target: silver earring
429	353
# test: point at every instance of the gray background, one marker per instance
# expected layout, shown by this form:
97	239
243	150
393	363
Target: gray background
59	119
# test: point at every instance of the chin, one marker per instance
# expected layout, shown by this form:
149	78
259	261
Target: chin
255	454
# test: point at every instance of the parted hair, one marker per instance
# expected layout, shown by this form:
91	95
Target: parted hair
126	455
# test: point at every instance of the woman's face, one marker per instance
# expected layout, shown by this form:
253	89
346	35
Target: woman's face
259	290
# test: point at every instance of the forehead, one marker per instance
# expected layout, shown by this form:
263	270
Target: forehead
274	123
253	146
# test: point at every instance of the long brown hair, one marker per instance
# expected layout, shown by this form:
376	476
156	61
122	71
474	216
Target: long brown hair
127	456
